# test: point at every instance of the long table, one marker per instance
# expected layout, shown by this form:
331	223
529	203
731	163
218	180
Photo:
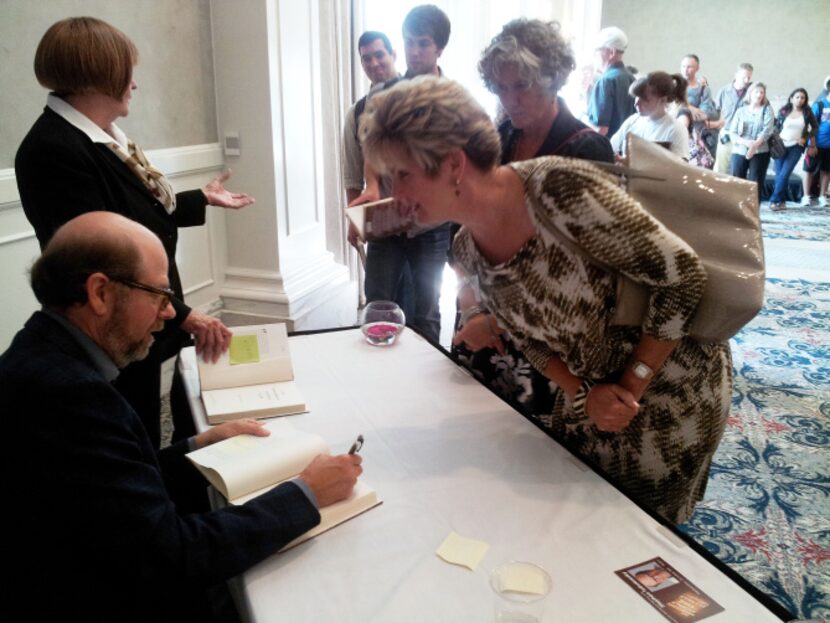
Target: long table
445	454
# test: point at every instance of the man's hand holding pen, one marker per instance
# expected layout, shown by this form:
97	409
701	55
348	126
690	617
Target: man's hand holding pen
332	478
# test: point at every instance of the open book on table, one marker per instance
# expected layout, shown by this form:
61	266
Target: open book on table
254	378
379	219
244	467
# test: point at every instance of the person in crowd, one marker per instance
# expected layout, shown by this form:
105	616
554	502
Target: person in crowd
75	159
645	404
377	57
749	131
699	101
797	127
728	100
611	102
652	122
94	521
426	31
697	113
525	65
378	61
821	111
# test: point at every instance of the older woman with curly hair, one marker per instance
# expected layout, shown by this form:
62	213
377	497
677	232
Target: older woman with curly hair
645	404
526	65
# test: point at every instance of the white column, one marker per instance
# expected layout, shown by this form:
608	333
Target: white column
270	81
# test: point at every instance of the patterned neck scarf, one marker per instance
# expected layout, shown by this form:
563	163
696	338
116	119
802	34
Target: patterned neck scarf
150	176
127	151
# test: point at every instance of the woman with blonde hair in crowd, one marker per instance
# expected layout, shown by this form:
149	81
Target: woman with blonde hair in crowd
645	404
750	129
652	95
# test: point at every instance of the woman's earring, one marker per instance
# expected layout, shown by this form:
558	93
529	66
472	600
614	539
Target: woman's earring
457	189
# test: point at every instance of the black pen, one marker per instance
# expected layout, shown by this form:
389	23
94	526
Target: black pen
357	445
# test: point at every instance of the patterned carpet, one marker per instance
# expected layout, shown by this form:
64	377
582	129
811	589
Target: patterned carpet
767	507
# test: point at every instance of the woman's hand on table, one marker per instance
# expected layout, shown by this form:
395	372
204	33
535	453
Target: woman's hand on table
480	331
611	407
217	195
231	429
212	337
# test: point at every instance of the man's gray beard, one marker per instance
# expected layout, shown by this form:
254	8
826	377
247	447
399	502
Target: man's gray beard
122	351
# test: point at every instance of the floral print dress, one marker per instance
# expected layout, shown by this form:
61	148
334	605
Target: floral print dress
556	303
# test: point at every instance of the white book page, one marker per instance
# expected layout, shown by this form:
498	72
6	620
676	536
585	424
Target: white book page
256	399
274	360
363	498
246	463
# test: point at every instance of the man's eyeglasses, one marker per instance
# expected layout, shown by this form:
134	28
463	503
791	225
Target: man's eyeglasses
165	294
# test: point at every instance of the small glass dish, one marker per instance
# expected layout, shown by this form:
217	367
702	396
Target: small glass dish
382	322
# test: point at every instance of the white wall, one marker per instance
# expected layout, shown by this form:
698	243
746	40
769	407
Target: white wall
784	40
174	104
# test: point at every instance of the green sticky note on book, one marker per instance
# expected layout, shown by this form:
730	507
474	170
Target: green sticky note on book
243	349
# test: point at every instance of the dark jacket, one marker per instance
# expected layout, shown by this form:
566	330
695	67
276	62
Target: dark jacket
61	173
90	531
568	136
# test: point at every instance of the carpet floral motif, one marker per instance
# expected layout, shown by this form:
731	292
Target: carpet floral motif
767	508
797	223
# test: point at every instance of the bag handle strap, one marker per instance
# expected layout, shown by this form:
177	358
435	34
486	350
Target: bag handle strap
570	244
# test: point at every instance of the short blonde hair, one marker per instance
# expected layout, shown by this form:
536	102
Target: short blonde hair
426	118
85	54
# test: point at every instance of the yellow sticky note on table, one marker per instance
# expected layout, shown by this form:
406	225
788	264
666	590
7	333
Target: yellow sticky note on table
459	550
522	580
243	349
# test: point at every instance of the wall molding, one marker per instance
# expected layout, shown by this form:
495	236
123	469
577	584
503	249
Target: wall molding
173	161
321	294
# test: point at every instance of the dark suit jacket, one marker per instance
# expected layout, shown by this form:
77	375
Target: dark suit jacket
61	173
89	526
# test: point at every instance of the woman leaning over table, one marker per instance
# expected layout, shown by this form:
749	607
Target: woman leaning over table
797	127
525	65
647	405
75	160
750	130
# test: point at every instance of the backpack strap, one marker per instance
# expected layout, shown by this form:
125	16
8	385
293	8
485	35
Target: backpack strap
360	106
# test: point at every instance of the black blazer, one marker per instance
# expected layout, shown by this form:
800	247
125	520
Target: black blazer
61	173
88	527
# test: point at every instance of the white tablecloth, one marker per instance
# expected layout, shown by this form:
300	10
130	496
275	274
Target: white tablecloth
446	455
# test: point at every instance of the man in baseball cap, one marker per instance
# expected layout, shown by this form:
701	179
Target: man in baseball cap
610	102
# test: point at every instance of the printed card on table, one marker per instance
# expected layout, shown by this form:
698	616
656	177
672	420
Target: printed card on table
669	592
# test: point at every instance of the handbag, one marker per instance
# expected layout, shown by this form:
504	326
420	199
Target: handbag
717	215
776	146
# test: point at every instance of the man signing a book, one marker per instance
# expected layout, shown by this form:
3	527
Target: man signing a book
93	529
